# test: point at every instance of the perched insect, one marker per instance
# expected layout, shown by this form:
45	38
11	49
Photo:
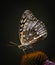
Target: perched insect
31	29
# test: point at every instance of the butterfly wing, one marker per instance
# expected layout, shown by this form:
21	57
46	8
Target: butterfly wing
31	29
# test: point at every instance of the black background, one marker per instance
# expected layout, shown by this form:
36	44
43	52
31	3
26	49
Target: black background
11	13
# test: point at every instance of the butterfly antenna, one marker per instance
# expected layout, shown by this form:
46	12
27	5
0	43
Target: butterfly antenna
12	43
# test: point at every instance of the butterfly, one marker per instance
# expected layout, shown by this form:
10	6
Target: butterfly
31	29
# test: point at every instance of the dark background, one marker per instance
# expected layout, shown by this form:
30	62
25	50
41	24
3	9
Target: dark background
11	13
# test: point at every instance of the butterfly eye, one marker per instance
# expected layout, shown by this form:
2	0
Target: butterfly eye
31	29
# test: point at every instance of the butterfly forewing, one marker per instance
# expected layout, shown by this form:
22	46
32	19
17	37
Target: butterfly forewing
31	29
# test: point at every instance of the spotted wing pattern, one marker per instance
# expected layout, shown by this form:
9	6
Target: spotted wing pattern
31	28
